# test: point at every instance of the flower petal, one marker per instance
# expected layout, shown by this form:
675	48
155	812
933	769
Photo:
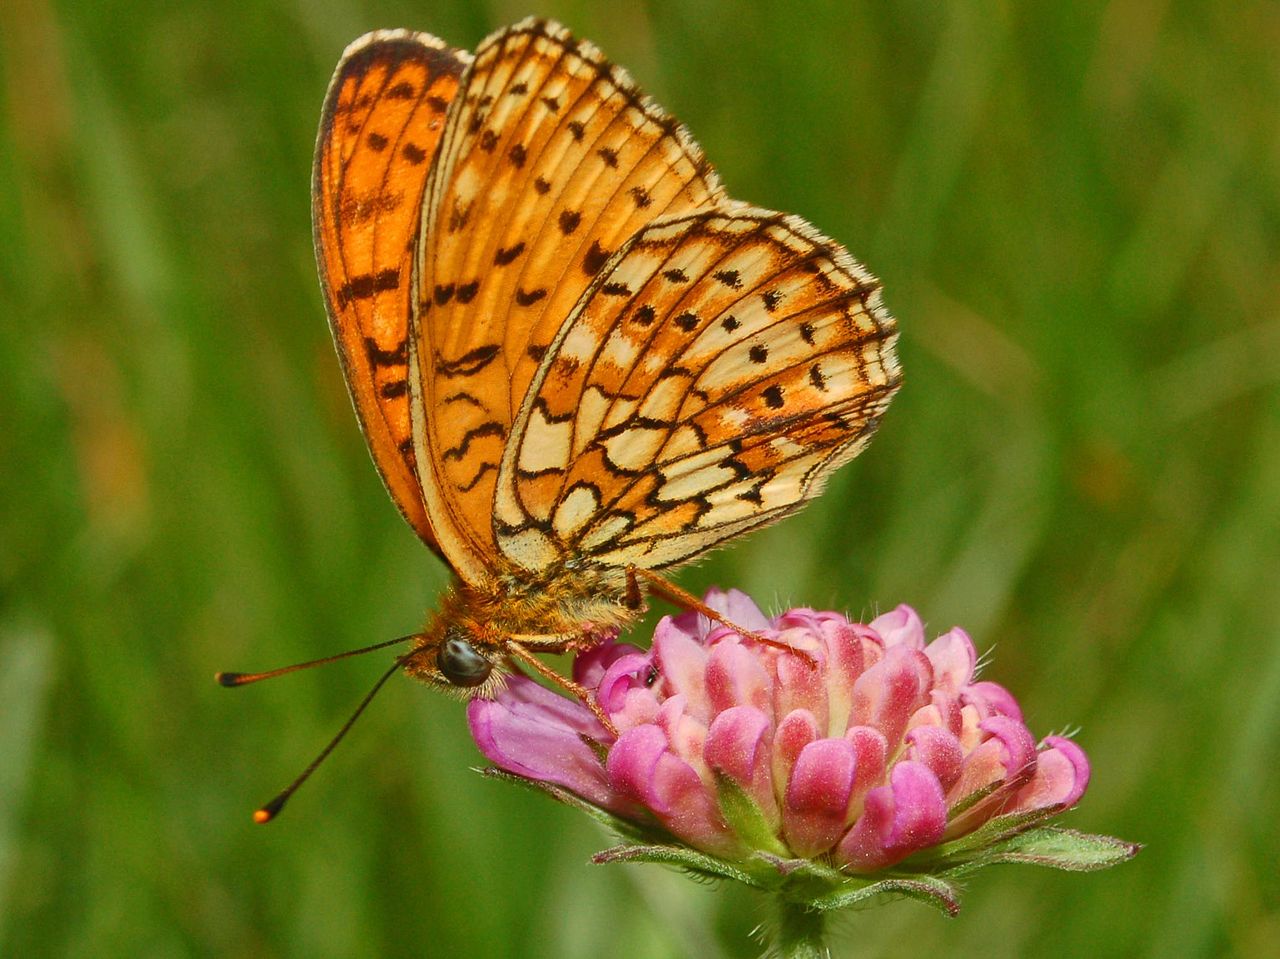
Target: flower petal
888	693
738	746
900	627
817	796
953	658
907	815
1061	777
535	733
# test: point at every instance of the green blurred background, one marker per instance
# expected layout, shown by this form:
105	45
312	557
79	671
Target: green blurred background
1075	212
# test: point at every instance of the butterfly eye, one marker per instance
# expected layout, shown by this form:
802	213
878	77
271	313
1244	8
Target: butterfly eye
461	664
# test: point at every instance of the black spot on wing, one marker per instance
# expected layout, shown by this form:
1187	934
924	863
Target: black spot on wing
471	484
380	357
467	291
569	220
529	297
367	285
414	154
469	363
478	432
596	258
503	257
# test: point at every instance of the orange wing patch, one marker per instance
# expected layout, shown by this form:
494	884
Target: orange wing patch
722	365
550	161
382	121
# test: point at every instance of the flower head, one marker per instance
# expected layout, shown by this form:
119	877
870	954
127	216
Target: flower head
836	752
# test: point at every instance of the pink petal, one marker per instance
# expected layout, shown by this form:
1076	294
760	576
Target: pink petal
1061	776
900	627
623	674
532	732
991	699
738	608
801	683
845	662
739	746
937	749
590	665
642	768
953	659
817	796
736	676
1007	757
872	751
796	731
907	815
682	665
888	693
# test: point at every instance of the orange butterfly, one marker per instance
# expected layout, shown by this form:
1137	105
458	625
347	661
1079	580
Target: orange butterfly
576	361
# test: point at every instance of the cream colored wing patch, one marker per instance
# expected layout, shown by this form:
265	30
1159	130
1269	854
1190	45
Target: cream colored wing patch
718	369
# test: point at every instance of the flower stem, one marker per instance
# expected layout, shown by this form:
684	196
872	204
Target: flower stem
799	932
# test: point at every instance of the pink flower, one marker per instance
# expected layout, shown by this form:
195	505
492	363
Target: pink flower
864	746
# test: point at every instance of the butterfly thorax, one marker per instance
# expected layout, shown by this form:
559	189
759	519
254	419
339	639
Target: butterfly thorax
549	615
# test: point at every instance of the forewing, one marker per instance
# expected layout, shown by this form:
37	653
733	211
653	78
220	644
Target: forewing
551	160
382	120
717	371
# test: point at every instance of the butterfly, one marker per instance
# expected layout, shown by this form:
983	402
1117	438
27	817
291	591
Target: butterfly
575	359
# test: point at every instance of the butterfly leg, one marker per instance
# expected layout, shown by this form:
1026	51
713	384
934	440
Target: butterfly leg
581	692
665	589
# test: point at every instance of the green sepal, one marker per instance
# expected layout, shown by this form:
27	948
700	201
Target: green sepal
1054	847
745	818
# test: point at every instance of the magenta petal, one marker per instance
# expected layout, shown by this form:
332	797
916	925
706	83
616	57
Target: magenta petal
900	627
817	796
735	743
872	752
898	819
590	665
1007	755
682	665
738	746
992	699
888	693
796	731
623	673
535	733
737	677
939	750
641	767
1061	777
953	658
738	608
801	685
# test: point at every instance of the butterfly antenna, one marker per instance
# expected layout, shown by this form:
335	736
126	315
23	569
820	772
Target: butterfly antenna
244	679
270	810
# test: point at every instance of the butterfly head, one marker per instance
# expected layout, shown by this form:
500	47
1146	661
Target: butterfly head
459	662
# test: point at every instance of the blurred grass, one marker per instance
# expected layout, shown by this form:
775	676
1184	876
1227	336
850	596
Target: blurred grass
1075	212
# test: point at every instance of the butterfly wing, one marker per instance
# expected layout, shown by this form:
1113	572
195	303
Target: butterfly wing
381	125
719	368
550	160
